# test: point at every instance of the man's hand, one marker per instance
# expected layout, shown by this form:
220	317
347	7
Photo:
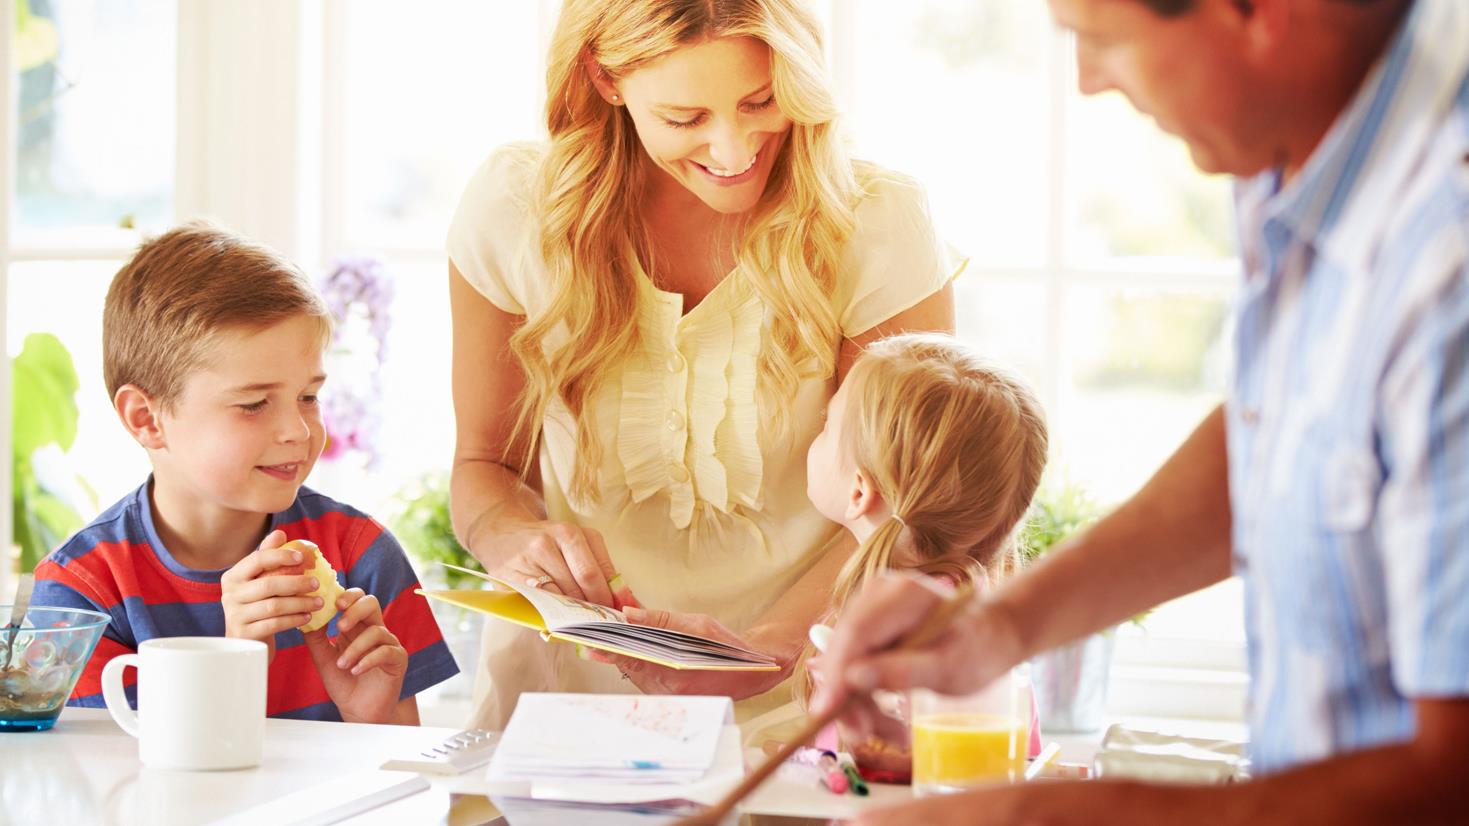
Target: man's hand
364	665
265	593
978	646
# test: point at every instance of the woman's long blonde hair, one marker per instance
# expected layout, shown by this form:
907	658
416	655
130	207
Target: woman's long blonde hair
954	444
589	191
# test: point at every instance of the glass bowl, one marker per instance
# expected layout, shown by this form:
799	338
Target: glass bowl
48	656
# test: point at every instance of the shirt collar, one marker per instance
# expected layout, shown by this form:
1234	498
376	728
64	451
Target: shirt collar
1343	198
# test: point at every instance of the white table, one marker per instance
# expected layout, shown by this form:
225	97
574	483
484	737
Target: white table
86	771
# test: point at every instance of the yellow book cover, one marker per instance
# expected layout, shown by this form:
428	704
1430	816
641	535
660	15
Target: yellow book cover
563	618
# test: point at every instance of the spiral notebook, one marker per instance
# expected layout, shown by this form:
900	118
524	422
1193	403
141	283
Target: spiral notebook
563	618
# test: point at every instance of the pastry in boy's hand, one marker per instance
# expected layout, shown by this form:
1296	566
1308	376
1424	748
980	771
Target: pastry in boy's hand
327	587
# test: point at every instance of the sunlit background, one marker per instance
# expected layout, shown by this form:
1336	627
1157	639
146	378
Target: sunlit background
1101	262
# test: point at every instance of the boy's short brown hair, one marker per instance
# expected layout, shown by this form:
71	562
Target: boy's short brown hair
180	290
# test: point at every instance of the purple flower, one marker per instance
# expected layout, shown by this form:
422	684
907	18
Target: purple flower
359	295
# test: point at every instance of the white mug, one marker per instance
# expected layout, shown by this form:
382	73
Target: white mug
201	701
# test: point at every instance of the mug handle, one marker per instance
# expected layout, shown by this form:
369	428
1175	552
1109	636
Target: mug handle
113	694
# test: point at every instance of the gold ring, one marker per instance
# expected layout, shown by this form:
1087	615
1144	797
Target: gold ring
615	583
538	581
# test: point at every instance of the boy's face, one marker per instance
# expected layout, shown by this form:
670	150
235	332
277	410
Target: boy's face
246	430
831	475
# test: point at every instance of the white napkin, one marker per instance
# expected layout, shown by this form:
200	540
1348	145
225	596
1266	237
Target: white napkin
1169	758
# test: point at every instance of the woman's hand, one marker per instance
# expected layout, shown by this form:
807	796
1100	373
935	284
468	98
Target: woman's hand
652	678
575	558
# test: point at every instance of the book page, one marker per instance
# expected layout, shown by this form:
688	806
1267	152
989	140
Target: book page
556	610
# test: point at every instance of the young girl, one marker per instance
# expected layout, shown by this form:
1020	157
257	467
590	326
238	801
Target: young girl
930	456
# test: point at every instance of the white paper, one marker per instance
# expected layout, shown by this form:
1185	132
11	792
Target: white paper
612	738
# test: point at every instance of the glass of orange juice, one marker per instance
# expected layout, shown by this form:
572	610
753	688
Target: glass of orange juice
960	742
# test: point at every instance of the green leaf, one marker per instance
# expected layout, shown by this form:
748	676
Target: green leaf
42	522
22	533
43	412
43	396
1059	510
423	525
36	40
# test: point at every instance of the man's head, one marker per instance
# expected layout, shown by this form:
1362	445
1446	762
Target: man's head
1248	84
212	352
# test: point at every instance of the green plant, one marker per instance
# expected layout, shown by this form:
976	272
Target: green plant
43	415
422	524
1060	510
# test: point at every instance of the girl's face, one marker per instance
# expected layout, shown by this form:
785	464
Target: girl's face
839	489
707	117
831	476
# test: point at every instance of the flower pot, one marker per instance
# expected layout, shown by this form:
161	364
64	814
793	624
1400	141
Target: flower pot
1070	684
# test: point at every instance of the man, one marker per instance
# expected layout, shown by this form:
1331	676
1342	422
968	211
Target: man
1334	481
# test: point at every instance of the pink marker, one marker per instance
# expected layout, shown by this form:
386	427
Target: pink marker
835	781
830	770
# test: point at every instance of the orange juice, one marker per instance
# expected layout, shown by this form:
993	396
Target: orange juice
958	749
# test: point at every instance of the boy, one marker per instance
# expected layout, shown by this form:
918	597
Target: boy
212	352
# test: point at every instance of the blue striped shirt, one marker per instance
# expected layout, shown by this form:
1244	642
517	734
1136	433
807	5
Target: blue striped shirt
1348	418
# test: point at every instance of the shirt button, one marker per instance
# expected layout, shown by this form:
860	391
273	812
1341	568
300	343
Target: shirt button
1249	415
675	363
679	473
675	421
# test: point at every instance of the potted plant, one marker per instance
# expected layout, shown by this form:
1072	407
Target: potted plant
1070	682
420	520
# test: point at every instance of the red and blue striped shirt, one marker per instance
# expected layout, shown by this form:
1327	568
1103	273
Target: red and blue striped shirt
118	565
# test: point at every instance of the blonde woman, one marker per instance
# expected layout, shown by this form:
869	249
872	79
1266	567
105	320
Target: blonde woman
929	458
650	313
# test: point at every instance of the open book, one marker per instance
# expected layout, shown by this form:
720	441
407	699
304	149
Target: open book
563	618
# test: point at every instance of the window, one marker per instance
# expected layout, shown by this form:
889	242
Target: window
92	164
94	136
463	79
1101	262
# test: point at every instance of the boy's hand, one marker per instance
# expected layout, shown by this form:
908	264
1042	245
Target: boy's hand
265	593
363	666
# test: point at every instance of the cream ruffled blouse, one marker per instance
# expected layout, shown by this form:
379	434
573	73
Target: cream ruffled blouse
703	506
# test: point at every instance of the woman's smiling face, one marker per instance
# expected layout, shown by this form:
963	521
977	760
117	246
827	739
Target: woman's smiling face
706	115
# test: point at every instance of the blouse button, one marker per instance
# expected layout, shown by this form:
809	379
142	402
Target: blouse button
679	473
675	363
675	421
